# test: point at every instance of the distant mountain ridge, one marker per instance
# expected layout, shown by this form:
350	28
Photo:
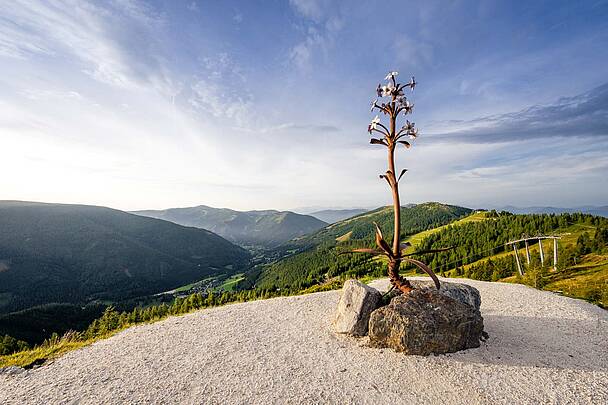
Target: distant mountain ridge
414	218
332	216
586	209
76	253
267	228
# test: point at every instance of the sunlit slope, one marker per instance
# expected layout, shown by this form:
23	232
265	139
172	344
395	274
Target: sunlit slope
319	259
480	253
414	219
474	217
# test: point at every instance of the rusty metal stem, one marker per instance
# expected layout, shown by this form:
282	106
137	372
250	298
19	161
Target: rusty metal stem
394	188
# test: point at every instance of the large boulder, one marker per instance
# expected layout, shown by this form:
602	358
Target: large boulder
460	292
357	302
425	322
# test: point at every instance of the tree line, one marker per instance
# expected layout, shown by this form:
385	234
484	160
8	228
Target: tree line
473	241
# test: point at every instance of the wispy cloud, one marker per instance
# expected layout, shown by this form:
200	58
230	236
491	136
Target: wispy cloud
97	36
323	22
413	54
585	115
221	90
313	9
137	104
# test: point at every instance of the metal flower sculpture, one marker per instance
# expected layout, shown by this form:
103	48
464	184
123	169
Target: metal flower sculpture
396	104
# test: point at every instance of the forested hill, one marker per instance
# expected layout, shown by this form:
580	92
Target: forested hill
267	228
414	219
475	240
77	253
314	258
480	252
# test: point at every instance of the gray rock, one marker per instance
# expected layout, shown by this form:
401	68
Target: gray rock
12	370
425	322
460	292
357	302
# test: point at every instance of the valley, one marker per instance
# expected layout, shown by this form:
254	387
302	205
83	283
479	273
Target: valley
309	263
252	229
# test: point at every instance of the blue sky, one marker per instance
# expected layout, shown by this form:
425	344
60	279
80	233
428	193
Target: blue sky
253	105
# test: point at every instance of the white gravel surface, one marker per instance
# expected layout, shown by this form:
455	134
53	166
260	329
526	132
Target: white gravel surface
543	348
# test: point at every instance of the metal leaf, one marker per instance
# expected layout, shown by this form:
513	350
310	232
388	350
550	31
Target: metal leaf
425	268
402	173
385	177
381	242
375	141
406	144
378	230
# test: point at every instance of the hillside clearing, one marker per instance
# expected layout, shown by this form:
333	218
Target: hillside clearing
282	350
475	217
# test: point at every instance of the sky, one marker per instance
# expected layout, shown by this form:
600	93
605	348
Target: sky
265	104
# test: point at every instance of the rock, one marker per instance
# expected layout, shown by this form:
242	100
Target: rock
425	322
12	370
357	302
460	292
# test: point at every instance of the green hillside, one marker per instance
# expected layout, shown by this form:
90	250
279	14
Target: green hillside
414	219
582	267
247	228
315	258
55	253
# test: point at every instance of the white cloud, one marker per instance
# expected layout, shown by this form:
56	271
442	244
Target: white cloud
322	27
220	89
413	54
79	29
48	95
313	9
301	54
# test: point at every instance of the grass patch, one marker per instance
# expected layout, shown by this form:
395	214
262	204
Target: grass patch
51	349
418	237
231	282
345	237
588	280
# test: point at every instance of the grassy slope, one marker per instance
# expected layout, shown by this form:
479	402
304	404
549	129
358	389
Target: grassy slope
587	280
231	283
413	220
475	217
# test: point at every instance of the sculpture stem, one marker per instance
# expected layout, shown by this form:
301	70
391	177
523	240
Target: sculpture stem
393	266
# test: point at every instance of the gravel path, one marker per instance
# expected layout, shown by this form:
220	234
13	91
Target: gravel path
543	348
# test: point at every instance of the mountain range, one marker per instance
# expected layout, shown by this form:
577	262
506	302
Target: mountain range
586	209
332	216
52	253
267	228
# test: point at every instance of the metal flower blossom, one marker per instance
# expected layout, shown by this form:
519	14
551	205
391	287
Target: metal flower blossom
391	75
372	125
391	137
